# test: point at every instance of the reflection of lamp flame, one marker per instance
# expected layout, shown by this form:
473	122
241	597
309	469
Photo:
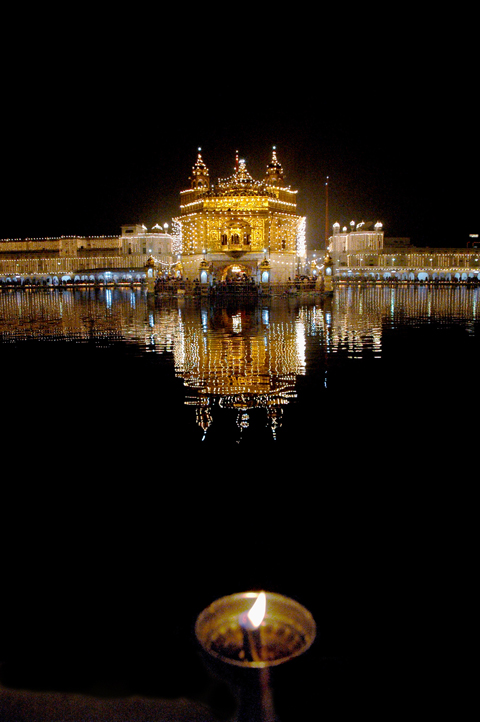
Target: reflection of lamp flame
257	612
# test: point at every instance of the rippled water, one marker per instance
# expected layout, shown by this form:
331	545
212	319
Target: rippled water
320	449
233	374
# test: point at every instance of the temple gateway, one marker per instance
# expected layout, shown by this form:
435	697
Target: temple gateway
239	228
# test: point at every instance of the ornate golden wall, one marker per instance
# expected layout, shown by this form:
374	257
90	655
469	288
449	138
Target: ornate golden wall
238	214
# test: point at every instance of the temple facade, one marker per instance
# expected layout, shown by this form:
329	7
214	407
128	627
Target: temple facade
239	228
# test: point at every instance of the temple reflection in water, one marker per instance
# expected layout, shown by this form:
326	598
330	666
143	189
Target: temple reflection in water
233	360
240	358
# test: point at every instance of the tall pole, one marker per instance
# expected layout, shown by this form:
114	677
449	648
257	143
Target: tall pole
326	214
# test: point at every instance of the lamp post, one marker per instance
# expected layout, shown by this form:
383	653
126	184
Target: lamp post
328	275
326	214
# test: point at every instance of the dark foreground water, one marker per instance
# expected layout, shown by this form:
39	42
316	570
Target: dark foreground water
159	454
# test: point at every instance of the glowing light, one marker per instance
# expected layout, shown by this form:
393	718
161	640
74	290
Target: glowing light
301	238
261	213
257	612
177	237
237	323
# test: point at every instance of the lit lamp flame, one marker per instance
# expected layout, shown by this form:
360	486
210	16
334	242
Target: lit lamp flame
250	624
255	629
257	612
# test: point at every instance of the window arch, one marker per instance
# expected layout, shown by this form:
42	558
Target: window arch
236	232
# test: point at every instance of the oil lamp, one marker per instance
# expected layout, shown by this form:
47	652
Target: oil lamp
246	634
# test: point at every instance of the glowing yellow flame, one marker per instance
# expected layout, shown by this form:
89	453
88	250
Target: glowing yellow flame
257	612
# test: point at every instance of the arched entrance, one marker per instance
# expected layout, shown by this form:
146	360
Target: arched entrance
235	272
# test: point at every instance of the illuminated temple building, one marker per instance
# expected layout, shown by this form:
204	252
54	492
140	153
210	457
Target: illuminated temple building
239	227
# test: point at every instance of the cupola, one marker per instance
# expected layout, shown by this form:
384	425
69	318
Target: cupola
200	177
274	176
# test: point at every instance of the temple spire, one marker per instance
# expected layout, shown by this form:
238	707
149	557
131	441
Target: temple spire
200	176
275	173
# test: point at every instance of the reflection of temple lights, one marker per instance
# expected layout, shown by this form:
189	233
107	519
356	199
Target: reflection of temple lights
300	337
243	421
257	369
241	361
237	323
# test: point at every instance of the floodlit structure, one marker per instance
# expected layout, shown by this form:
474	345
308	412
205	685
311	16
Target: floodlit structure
362	253
239	228
156	243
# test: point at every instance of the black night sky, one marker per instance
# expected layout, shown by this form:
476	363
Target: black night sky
104	128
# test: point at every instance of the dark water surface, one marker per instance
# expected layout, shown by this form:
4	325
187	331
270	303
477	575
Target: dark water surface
157	455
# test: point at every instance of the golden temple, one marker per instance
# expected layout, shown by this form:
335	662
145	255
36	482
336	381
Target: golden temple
239	227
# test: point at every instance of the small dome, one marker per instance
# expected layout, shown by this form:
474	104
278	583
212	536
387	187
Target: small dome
200	175
274	170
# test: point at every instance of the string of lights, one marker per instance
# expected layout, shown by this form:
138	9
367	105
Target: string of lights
239	217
